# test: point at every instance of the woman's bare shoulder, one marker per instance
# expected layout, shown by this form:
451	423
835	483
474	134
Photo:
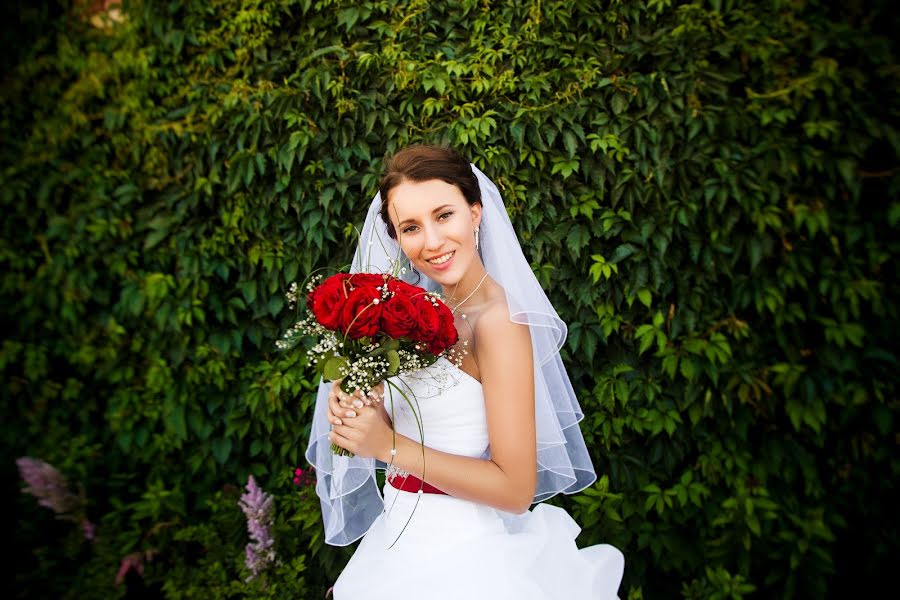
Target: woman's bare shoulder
494	326
494	312
504	352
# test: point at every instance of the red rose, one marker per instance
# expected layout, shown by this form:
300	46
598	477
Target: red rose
428	319
360	316
327	300
366	279
446	332
398	317
398	286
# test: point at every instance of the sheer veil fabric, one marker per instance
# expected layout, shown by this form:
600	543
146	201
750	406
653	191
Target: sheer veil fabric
347	488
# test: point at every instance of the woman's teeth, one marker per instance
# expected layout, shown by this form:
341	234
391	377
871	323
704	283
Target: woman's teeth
442	259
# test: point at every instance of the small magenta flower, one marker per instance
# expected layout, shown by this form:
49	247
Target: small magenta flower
257	506
132	562
49	486
89	530
303	478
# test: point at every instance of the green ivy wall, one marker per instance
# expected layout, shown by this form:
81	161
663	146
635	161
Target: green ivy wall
707	189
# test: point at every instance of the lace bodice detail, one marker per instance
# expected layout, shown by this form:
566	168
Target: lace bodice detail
450	405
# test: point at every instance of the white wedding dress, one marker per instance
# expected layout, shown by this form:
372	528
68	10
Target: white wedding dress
457	549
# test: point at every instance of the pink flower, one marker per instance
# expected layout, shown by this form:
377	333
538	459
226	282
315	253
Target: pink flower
257	506
303	478
49	486
135	561
89	530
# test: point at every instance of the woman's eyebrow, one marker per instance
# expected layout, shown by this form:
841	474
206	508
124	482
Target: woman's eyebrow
442	207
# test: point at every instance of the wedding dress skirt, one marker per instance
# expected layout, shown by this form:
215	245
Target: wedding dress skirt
454	548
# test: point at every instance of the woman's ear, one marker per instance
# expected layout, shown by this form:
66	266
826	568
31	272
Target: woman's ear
476	214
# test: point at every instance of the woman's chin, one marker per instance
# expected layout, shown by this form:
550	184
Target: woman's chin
443	279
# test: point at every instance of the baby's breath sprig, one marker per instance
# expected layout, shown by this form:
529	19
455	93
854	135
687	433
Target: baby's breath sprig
293	294
306	327
455	355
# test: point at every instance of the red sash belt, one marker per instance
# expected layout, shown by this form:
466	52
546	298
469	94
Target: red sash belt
411	483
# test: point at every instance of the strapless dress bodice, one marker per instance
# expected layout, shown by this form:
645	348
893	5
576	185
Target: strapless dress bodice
444	403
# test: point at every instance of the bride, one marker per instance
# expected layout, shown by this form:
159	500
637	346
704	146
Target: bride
485	436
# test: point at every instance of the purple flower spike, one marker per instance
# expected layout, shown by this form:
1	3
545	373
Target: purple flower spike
257	506
48	485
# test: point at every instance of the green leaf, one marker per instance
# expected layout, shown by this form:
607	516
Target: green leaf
177	422
570	142
393	361
335	368
645	297
155	237
221	449
275	304
248	289
619	103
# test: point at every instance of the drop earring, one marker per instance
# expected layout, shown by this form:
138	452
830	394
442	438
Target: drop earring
476	238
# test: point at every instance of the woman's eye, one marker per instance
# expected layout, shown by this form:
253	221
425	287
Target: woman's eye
413	227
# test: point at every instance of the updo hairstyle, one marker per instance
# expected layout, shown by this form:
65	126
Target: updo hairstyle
423	163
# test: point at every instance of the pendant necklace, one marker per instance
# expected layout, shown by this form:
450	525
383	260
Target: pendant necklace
470	295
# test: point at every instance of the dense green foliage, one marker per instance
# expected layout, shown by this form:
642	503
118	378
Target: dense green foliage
708	189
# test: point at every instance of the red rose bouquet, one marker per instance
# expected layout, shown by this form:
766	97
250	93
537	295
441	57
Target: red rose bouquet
368	327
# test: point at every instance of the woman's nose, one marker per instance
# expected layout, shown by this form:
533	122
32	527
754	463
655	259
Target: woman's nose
434	237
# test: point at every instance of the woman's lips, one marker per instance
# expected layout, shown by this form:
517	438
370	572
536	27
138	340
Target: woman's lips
443	266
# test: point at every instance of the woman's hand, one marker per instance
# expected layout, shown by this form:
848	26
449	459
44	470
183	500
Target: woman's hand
356	400
375	395
359	421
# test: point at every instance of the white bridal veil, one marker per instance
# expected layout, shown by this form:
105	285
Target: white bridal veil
350	496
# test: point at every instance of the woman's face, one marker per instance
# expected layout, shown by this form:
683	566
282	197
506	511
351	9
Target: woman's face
433	221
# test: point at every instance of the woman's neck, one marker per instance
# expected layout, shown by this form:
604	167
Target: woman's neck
473	289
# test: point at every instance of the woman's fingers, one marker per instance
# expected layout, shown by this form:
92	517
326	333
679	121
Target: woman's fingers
337	412
376	394
334	409
358	398
354	400
343	397
337	437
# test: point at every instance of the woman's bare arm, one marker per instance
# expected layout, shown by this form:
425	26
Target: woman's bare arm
508	480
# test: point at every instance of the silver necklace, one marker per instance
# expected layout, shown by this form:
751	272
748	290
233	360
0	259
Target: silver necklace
470	295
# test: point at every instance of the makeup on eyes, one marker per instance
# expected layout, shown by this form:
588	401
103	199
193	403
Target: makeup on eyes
449	212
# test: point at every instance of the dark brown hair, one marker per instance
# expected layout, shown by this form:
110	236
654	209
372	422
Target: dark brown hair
423	163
